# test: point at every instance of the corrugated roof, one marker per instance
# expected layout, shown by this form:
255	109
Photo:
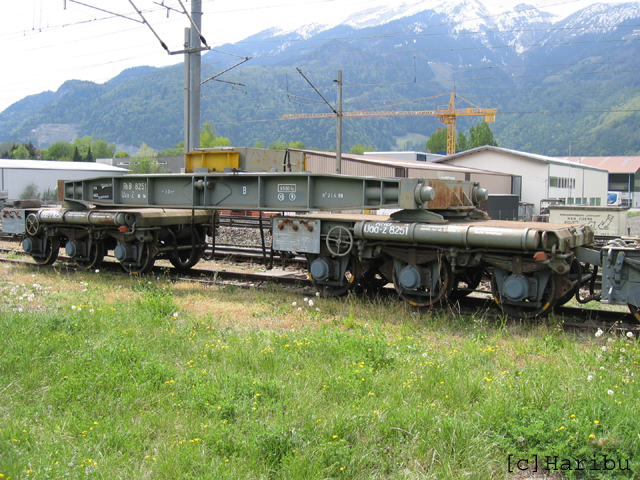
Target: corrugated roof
54	165
610	164
517	153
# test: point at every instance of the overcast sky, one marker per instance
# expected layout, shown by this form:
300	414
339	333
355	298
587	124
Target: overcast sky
45	44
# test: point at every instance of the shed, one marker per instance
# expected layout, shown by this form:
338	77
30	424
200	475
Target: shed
18	176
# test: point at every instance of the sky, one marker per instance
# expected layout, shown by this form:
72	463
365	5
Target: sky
47	42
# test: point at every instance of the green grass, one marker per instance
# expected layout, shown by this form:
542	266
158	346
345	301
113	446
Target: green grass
116	377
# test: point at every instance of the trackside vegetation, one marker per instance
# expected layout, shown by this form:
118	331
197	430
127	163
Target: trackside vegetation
105	376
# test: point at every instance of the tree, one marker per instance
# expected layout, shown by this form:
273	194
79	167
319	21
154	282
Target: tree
481	135
33	152
146	161
20	153
478	136
438	141
462	143
176	151
89	157
278	145
258	144
359	149
76	156
121	154
209	139
30	191
102	149
59	151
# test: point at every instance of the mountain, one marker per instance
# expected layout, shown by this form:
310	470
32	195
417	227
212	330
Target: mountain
553	81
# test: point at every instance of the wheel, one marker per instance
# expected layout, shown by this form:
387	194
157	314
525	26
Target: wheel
339	241
344	285
528	309
50	251
32	225
372	281
466	282
635	312
185	259
96	255
426	297
144	263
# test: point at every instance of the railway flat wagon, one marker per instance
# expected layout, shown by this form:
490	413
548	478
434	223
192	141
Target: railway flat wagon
435	248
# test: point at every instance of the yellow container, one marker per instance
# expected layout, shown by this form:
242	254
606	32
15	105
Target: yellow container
213	161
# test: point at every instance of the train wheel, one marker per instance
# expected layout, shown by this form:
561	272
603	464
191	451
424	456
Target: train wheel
466	282
50	251
185	259
95	257
372	281
346	284
426	297
528	309
144	263
635	311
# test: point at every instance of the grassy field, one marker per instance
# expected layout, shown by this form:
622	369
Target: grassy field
115	377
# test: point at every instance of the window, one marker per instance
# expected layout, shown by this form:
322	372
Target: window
562	182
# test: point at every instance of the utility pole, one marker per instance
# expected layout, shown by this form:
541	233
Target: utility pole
192	68
339	126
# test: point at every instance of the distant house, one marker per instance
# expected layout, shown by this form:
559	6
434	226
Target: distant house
538	177
624	175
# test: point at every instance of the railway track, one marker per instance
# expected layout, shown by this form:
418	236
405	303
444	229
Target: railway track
478	303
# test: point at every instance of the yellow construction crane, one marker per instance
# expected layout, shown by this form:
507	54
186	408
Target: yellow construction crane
447	114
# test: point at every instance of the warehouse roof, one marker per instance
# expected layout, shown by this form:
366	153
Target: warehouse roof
611	164
517	153
55	165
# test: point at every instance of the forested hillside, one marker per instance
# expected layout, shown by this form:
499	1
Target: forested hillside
573	81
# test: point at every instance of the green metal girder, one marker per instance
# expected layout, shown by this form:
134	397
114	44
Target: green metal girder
295	192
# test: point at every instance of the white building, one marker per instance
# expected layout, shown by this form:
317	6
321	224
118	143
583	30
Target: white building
538	177
16	176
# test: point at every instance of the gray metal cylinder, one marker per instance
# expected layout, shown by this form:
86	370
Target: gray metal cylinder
459	235
82	217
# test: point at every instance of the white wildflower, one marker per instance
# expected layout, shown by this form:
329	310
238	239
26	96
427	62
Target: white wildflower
306	299
590	378
629	334
609	340
599	333
317	294
73	307
299	308
311	303
610	392
294	304
97	270
317	309
604	348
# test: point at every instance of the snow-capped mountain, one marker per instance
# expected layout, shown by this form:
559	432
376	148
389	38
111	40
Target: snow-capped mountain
553	80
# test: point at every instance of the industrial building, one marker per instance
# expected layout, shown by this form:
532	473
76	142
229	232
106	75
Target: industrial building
18	176
624	177
538	177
